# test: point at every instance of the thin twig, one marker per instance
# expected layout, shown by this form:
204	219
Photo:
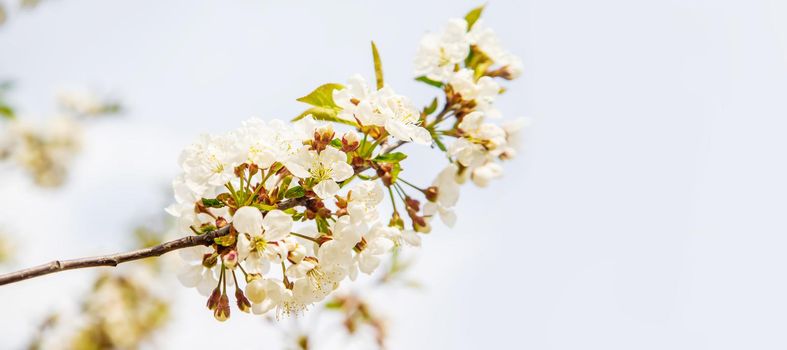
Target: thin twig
112	260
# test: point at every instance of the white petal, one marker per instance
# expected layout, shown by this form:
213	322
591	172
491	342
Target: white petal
422	136
256	291
208	283
190	275
277	224
332	155
248	220
326	189
369	263
342	171
448	217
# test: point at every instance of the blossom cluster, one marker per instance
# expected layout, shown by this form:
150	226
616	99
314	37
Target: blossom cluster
121	311
296	207
45	149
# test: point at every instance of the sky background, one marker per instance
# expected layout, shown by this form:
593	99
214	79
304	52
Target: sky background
646	210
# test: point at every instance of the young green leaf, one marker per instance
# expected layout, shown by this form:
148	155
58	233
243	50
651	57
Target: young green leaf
6	111
378	67
428	81
397	168
226	241
212	203
322	96
322	113
295	192
394	157
473	16
264	207
431	108
478	61
439	143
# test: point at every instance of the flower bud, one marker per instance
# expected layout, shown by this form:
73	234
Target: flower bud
256	291
253	169
250	277
396	221
413	204
350	141
222	311
240	169
323	135
230	259
243	303
324	238
360	246
209	260
213	299
221	222
296	255
422	225
431	193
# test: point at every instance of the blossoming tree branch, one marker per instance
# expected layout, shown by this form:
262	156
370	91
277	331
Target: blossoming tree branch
279	214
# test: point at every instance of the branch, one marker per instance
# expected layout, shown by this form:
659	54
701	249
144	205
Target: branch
112	260
119	258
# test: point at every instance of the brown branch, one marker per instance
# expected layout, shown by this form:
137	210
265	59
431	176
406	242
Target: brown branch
111	260
119	258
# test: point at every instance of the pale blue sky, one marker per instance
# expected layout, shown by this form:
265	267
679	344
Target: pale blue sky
646	210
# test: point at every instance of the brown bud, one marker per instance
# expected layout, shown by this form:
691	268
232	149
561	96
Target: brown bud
230	259
221	222
360	246
213	299
396	221
350	141
384	171
341	202
209	260
324	238
251	277
412	203
243	303
431	193
240	169
222	311
253	169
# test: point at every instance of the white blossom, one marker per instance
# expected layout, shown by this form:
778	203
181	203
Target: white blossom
325	168
439	53
487	41
447	196
483	91
383	107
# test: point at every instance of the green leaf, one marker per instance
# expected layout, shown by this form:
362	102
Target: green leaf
478	61
334	304
439	143
285	184
378	67
397	168
431	108
428	81
295	192
226	241
336	143
326	114
212	203
6	111
473	16
322	96
263	207
394	157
